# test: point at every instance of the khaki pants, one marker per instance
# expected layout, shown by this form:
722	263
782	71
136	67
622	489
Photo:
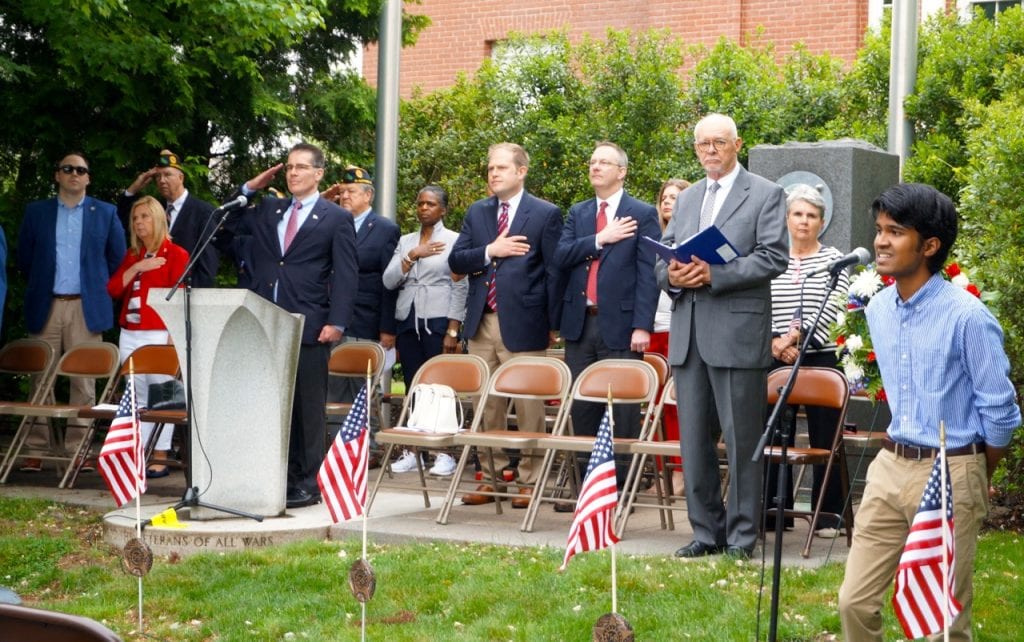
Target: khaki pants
891	498
64	330
488	345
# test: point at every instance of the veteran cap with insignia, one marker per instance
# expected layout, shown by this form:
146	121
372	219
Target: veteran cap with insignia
355	174
170	159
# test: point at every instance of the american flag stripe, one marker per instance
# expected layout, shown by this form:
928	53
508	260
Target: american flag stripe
343	474
593	525
919	596
121	461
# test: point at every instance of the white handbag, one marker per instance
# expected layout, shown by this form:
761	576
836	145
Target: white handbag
435	408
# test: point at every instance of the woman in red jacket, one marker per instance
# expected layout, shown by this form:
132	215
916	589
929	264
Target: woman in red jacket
152	261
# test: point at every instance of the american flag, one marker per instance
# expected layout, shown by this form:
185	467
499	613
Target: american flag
593	525
121	459
342	476
919	597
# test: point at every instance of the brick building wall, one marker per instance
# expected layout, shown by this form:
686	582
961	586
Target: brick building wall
463	31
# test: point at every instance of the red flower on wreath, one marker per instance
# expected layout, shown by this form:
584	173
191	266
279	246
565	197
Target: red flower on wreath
871	356
952	270
840	340
881	396
973	289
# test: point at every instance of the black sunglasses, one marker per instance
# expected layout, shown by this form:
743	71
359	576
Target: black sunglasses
74	169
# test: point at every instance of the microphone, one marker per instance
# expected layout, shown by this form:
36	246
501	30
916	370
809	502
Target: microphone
240	201
860	256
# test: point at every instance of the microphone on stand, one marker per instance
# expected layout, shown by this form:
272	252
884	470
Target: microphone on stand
239	201
859	256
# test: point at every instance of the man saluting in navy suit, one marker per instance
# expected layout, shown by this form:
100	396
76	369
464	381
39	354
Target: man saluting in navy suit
303	255
609	304
507	247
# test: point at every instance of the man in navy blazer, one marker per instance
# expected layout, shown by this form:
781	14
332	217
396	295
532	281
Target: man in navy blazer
68	247
720	339
611	296
519	314
188	214
303	258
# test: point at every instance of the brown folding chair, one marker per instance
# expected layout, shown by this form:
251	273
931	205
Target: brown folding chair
349	360
91	360
157	359
630	381
467	374
33	360
828	388
525	377
652	445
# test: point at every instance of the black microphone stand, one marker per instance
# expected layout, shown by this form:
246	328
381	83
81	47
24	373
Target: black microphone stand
776	427
191	497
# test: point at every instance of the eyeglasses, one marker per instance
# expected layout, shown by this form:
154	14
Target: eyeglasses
705	145
602	163
74	169
299	167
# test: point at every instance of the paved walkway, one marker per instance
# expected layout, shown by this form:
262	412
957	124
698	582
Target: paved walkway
396	517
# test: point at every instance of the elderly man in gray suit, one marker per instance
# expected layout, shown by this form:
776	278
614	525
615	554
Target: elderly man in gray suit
720	337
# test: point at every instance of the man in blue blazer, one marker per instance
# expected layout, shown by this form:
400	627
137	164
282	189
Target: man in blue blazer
188	215
303	258
611	296
68	247
507	247
720	337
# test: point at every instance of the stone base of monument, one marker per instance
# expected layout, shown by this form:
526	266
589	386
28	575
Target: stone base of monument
220	535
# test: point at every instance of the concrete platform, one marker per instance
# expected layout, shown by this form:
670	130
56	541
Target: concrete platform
396	517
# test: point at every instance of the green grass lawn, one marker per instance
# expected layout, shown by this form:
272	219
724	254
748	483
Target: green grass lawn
53	556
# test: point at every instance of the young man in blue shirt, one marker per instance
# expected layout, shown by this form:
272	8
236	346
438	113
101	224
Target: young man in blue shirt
940	352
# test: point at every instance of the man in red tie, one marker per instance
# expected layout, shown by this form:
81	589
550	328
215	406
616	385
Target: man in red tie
612	294
303	256
507	246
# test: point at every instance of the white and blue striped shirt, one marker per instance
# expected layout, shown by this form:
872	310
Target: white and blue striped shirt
941	357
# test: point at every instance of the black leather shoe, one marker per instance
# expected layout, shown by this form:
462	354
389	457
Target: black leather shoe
298	498
738	552
698	549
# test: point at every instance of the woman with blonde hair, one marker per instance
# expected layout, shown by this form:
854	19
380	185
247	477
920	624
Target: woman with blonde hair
152	261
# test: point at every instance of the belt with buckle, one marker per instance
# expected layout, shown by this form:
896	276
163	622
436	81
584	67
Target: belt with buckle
591	310
918	452
67	297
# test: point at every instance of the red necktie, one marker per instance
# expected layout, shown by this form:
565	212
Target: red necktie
602	220
492	290
293	225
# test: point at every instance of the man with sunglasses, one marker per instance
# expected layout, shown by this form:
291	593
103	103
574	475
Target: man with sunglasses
68	247
187	216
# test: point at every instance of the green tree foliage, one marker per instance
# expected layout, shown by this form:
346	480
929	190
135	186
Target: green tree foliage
559	98
121	79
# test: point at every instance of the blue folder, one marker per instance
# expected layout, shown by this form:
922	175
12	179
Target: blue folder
709	245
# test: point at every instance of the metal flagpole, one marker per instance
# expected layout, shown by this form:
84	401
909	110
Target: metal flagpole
615	582
366	474
945	534
138	458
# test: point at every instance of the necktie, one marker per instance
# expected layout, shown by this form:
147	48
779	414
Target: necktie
170	214
707	212
293	225
602	220
492	290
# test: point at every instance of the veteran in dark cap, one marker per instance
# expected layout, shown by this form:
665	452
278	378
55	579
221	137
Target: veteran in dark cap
187	216
376	239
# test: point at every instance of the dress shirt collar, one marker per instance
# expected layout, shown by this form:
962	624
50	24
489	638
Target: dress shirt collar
359	219
613	203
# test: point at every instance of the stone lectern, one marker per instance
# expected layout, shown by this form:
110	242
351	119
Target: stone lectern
244	356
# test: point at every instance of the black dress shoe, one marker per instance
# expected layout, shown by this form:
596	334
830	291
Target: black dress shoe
698	549
738	552
297	498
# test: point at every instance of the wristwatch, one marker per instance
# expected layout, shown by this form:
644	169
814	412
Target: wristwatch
453	333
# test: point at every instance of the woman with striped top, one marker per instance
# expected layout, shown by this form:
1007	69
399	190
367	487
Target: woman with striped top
795	300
